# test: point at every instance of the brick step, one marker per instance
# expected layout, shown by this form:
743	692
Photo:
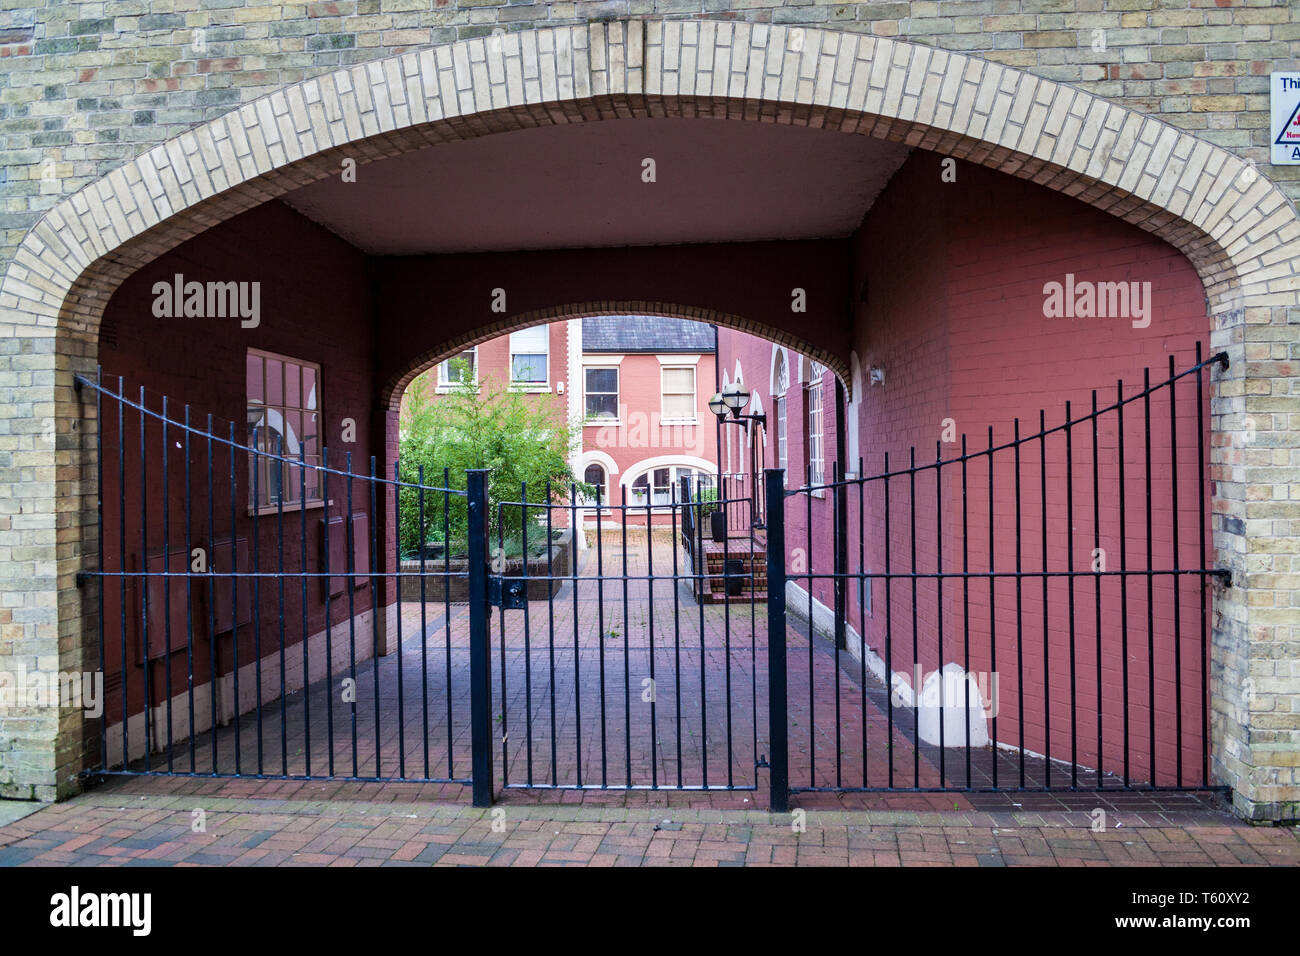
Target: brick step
743	598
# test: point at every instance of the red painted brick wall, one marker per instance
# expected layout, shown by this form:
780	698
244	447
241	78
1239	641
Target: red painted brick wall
430	300
641	440
809	530
954	313
315	306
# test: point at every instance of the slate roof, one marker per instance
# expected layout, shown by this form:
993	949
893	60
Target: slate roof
645	333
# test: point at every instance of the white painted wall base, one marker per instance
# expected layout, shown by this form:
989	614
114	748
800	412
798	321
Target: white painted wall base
951	703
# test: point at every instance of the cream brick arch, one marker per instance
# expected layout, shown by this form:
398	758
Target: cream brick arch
1236	227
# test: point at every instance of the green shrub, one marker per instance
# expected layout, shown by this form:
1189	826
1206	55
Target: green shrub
521	438
707	499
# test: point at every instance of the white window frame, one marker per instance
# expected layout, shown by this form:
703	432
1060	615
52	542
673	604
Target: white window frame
618	394
663	394
674	483
445	384
780	391
816	434
517	336
604	485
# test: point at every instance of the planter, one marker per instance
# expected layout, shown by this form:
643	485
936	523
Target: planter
737	577
439	588
718	526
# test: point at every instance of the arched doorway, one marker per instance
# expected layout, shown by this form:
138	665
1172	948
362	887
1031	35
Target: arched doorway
1169	183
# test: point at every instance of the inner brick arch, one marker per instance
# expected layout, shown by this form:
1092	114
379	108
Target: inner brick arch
390	395
1237	228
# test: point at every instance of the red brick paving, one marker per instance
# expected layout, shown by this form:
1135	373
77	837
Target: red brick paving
117	823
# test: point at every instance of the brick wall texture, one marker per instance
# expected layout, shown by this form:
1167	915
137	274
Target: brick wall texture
1063	92
85	86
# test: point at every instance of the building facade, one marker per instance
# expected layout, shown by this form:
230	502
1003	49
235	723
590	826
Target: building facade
801	433
646	384
1130	144
636	388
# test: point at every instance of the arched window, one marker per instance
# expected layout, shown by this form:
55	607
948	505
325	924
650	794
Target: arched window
780	384
595	476
854	413
815	439
660	487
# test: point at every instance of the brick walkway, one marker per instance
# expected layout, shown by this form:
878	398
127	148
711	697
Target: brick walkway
118	824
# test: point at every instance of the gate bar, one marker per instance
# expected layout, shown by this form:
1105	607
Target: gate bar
480	662
779	774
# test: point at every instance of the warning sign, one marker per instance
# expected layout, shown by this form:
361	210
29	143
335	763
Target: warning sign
1284	130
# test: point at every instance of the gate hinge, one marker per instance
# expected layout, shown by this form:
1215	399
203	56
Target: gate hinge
762	763
1225	577
82	578
509	595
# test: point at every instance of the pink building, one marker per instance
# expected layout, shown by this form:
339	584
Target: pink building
533	360
646	384
798	433
640	386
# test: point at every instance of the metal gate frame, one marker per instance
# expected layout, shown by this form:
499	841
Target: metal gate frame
685	510
488	588
160	640
1202	574
223	613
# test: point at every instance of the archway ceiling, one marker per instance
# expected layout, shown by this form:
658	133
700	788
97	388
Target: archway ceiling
579	185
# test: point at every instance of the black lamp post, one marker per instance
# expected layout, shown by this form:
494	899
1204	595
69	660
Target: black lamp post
733	399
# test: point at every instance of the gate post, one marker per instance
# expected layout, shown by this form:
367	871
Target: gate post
480	652
778	728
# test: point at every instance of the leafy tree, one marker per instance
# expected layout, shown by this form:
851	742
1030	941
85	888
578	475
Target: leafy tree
521	438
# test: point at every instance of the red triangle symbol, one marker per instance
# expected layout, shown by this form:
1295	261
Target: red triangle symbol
1290	132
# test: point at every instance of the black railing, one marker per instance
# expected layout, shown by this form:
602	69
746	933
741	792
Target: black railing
946	575
745	499
340	626
243	640
648	685
297	641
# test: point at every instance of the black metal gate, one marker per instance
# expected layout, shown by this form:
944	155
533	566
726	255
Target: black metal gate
1032	615
258	618
635	667
246	626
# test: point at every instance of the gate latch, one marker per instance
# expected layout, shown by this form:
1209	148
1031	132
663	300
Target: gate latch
509	595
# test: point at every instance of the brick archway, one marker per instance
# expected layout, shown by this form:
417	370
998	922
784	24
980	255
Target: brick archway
391	391
1238	230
